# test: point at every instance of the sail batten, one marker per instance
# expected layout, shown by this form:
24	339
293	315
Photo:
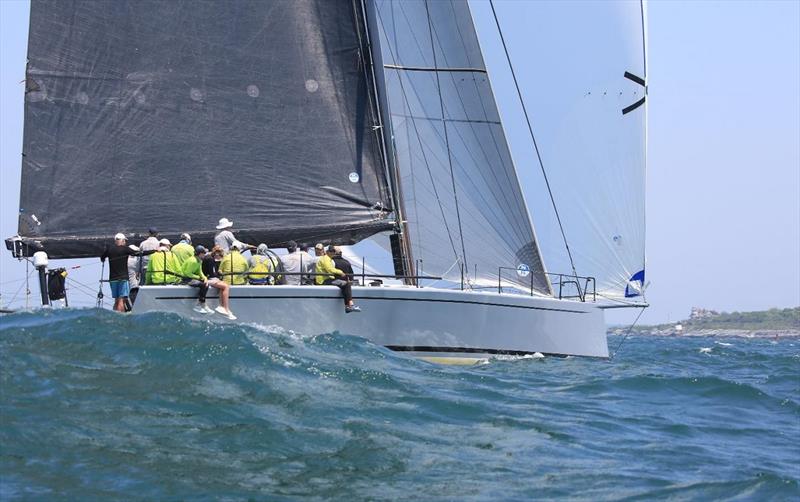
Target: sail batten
160	114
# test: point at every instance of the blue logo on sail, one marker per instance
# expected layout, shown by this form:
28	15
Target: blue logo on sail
635	285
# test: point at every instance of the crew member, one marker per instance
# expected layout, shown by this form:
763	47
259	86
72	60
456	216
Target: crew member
262	266
149	244
327	273
163	268
211	271
183	250
225	238
118	255
233	267
343	264
296	264
192	269
138	265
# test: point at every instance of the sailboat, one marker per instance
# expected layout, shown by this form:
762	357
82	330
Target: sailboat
369	122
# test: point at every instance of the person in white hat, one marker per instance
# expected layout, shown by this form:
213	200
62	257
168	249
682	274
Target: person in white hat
225	238
118	269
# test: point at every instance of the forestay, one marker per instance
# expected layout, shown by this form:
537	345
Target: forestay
586	97
462	198
172	114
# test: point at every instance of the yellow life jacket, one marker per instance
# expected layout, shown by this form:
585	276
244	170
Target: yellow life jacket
163	268
233	268
259	272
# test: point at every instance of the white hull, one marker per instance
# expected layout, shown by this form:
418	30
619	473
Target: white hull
425	322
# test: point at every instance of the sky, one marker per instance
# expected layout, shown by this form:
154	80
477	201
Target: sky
723	180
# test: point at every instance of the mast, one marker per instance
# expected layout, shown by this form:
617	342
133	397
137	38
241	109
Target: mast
400	239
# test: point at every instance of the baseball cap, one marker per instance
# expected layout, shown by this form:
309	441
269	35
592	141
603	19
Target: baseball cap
120	237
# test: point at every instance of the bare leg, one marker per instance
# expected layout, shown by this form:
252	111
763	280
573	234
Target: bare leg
223	296
119	304
223	293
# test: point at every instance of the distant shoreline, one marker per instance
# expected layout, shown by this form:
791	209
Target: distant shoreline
771	324
722	333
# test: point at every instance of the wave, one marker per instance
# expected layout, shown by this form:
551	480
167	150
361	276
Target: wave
101	405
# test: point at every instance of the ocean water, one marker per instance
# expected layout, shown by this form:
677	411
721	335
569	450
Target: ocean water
95	405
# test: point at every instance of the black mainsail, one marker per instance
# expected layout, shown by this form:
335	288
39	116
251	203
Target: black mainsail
172	114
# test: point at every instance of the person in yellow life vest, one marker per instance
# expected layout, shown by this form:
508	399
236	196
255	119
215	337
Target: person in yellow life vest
183	250
163	267
327	273
233	267
262	266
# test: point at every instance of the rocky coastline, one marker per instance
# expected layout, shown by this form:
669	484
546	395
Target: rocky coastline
767	324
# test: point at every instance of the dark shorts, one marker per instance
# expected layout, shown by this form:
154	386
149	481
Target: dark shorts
119	289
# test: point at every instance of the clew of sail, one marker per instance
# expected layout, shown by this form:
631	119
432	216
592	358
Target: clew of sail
465	210
172	114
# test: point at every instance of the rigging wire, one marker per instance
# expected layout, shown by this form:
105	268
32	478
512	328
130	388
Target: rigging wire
517	193
533	138
422	150
446	138
441	136
630	328
491	220
27	284
14	298
100	287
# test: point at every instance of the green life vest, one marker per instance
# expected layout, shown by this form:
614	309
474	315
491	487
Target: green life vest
163	268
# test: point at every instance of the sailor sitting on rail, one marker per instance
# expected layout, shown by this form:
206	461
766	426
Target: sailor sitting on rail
327	273
342	263
210	268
